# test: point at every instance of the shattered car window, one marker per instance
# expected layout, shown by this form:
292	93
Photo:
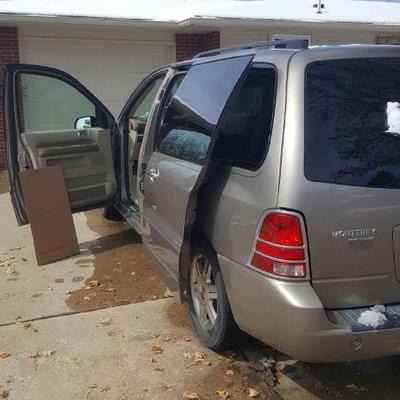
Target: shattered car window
196	107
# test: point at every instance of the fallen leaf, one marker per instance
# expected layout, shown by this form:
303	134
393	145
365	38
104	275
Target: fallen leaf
188	394
94	283
11	271
167	386
86	298
198	358
16	248
253	393
111	289
35	355
223	394
93	386
201	358
4	355
157	350
229	372
160	369
24	259
106	321
187	339
104	388
27	325
3	394
354	388
228	356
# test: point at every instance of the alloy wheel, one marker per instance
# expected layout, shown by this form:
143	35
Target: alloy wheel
204	292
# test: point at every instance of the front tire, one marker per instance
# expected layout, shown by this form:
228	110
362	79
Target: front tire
209	307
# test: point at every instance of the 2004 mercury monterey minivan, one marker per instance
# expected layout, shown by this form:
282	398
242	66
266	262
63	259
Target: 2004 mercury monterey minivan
265	179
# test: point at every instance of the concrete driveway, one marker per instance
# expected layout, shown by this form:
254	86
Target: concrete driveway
72	330
103	325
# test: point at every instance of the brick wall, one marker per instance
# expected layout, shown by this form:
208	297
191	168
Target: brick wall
9	53
189	44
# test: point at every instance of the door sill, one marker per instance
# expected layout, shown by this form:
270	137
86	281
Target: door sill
130	212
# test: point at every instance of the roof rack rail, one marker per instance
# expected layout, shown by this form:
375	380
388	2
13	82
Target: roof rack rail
276	44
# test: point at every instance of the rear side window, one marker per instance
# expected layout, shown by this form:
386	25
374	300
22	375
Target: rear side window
353	122
196	107
245	134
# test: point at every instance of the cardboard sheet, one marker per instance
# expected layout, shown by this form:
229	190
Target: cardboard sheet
49	214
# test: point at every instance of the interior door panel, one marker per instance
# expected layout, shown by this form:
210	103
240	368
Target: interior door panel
52	119
85	160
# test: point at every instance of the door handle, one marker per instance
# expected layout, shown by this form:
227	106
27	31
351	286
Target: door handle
154	174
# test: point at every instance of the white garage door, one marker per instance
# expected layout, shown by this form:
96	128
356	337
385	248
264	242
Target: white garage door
110	69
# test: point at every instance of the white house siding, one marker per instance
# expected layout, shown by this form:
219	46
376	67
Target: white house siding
109	62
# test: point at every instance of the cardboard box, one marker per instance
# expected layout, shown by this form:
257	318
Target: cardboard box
49	214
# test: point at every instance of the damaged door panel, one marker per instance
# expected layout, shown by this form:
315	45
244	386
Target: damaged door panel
184	141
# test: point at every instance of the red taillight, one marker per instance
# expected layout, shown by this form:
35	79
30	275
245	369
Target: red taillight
283	229
280	246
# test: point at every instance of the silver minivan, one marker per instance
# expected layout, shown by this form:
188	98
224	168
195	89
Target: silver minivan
265	179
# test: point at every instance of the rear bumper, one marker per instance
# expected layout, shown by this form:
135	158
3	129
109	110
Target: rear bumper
290	317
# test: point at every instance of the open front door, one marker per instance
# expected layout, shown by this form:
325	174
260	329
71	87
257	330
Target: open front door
191	112
51	119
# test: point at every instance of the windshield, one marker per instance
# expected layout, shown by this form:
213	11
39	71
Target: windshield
353	122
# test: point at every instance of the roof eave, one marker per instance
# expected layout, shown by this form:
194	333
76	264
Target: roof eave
12	18
255	22
196	21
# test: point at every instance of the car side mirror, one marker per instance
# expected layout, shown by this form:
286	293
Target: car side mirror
85	122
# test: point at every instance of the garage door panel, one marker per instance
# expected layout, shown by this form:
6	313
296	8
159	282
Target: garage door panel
110	69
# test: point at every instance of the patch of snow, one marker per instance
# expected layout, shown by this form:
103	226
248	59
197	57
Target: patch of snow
374	317
393	117
376	12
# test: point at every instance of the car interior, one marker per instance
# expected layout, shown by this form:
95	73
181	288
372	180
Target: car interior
138	117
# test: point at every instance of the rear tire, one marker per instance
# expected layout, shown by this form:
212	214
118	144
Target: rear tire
112	214
208	303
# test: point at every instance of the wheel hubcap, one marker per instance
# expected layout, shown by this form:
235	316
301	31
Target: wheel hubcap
204	291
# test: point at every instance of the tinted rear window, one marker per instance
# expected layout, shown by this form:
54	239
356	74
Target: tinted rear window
353	122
